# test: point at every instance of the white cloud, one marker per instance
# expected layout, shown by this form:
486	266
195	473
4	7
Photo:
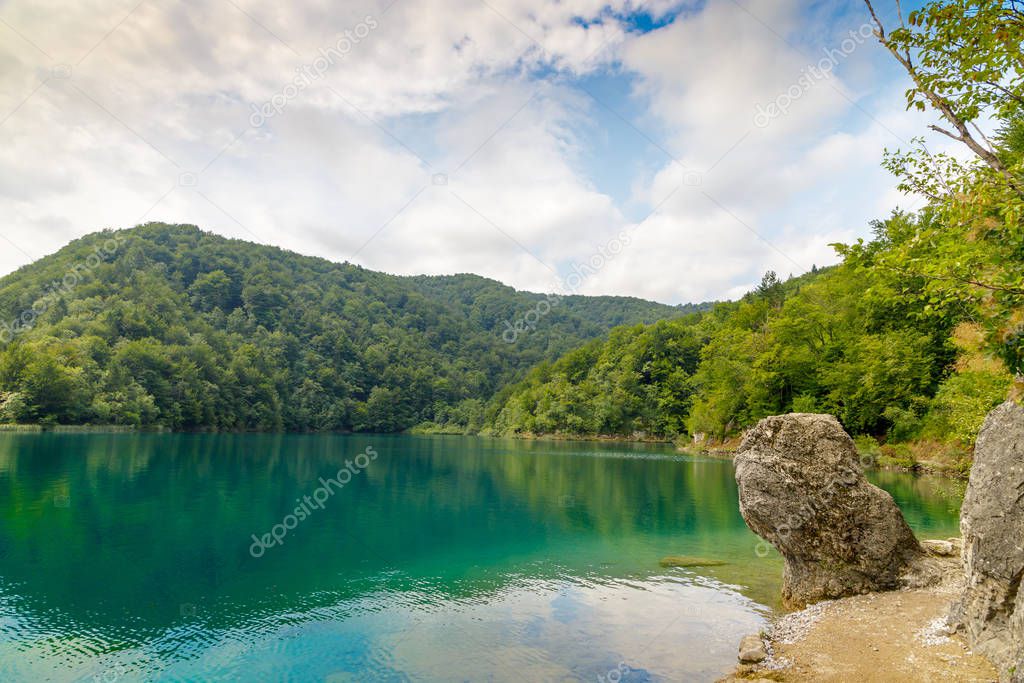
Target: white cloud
770	197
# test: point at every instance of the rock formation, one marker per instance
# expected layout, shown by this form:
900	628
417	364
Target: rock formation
991	609
801	487
752	650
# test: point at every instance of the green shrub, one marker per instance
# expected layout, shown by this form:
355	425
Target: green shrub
13	407
904	423
805	403
868	448
898	455
962	402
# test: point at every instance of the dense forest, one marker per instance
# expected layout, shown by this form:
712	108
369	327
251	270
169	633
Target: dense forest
844	340
172	326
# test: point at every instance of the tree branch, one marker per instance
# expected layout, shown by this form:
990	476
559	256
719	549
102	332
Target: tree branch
953	278
984	137
1007	92
881	29
945	132
944	108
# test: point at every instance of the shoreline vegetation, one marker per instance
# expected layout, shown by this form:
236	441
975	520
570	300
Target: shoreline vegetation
916	457
81	429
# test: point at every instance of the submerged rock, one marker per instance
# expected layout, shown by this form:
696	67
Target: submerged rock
991	609
940	548
801	488
687	561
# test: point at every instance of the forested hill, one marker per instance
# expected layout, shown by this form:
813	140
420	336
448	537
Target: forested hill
486	296
169	325
856	341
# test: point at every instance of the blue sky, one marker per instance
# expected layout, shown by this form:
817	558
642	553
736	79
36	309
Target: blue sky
519	140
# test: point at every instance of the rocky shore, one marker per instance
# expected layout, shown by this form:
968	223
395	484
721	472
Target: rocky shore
899	635
878	605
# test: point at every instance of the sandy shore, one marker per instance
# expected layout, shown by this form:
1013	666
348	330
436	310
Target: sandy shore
893	636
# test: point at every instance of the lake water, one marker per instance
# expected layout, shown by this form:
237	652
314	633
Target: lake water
130	557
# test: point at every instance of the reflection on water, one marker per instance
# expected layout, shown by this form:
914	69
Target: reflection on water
446	558
930	503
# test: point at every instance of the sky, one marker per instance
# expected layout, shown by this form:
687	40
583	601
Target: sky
669	150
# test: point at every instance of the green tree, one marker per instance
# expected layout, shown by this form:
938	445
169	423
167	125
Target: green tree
965	63
212	290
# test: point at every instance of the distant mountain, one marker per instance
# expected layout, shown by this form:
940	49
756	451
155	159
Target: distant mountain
169	325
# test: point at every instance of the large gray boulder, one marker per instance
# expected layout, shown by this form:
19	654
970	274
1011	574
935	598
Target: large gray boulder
991	609
802	488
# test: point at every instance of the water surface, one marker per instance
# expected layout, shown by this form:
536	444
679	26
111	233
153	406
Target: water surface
130	557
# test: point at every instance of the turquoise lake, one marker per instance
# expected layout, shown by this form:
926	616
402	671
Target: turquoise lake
180	557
